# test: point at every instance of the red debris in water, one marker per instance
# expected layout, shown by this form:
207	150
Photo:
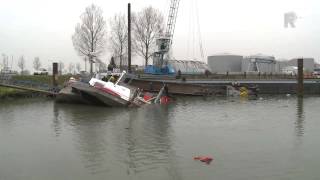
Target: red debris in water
164	100
205	159
147	96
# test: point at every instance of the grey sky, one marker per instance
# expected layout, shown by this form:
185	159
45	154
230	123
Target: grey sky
44	28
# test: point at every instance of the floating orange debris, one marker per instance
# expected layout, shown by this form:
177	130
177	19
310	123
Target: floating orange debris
205	159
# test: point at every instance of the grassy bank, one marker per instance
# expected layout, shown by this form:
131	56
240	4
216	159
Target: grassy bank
10	92
7	91
41	79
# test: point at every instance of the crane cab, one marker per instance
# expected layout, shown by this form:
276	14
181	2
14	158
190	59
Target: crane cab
160	66
163	44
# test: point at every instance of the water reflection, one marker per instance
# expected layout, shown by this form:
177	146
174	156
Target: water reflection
6	119
89	127
11	110
109	139
87	142
299	124
56	120
149	141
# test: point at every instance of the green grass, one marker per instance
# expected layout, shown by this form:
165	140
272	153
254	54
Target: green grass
41	78
8	91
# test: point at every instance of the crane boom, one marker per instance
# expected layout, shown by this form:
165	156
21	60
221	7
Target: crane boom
161	57
172	17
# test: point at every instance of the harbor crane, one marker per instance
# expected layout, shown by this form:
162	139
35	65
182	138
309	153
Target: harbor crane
161	56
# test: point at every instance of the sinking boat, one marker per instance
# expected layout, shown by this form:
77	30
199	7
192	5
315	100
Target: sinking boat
235	89
108	93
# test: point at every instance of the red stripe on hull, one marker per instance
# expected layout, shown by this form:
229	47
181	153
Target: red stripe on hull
106	90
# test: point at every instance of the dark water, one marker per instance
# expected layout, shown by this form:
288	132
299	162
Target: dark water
270	138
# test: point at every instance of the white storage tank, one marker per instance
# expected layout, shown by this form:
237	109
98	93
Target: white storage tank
188	67
222	63
308	64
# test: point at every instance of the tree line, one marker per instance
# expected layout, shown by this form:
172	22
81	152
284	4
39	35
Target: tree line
92	37
6	65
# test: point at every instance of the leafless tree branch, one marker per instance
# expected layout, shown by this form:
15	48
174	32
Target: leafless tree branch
89	38
119	37
21	64
147	25
36	63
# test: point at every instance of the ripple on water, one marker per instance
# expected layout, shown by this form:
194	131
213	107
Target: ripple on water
274	138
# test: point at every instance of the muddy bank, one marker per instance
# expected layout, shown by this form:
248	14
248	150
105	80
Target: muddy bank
14	93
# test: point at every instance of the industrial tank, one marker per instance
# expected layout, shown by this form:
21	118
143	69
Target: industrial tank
222	63
308	64
188	67
259	63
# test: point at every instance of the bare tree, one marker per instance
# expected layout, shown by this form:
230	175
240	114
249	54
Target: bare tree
85	63
147	25
49	68
36	63
21	64
112	64
78	67
101	66
5	62
119	37
71	68
89	38
61	67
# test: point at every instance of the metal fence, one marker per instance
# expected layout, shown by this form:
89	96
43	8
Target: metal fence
4	77
245	75
7	79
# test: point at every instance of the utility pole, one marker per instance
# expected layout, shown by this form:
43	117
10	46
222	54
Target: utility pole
55	74
91	62
11	62
300	77
129	38
85	64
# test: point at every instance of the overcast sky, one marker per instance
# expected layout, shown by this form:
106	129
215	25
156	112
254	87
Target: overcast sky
44	28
